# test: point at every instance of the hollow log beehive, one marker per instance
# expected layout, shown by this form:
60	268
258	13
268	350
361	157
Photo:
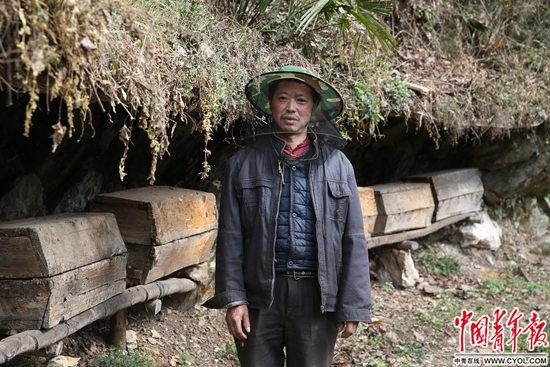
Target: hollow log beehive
55	267
165	228
402	206
455	191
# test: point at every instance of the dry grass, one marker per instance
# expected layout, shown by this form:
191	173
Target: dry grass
461	68
161	61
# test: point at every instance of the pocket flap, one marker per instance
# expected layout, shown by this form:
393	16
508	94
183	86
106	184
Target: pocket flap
254	182
338	189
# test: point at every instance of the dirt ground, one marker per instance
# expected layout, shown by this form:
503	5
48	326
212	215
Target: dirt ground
411	327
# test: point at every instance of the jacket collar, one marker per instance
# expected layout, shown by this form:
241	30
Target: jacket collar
279	146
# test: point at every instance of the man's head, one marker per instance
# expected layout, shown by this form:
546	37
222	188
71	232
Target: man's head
292	103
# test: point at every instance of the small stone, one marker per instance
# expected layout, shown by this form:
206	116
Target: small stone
432	289
63	361
88	44
174	361
398	266
536	222
466	287
485	234
155	334
392	338
408	245
131	340
544	245
152	340
205	51
421	285
419	337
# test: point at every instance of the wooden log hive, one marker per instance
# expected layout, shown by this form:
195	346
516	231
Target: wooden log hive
456	191
165	228
368	208
402	206
55	267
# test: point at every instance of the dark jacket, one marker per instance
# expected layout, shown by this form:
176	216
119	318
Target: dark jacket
245	249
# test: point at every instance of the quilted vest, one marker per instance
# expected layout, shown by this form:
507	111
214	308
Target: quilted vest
295	245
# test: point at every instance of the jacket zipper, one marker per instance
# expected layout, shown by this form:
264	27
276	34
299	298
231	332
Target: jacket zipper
281	169
317	232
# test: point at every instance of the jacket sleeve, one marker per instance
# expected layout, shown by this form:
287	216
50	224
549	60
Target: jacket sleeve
354	295
229	246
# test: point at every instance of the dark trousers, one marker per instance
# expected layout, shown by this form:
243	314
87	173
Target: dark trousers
293	322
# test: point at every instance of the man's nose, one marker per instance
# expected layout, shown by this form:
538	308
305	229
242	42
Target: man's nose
291	105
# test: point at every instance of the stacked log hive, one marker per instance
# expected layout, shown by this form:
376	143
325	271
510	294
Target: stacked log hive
55	267
403	206
422	204
455	191
165	228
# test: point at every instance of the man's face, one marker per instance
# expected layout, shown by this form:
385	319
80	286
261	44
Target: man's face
291	106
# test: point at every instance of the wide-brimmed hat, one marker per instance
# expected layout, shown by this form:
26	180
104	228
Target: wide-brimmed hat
330	105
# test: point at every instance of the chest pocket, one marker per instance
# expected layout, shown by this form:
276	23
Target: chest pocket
338	200
255	194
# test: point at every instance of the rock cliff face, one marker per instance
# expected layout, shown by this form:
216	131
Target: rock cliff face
512	167
34	181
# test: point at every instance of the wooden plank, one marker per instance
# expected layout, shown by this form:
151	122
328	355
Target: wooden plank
81	289
456	191
417	233
146	263
23	303
61	242
368	208
156	215
403	206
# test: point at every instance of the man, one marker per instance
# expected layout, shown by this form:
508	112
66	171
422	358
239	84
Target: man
291	256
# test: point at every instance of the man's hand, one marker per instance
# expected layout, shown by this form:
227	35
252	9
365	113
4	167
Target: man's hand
238	322
348	328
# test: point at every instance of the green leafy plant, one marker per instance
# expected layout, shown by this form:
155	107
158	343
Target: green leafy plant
302	15
398	93
445	265
118	358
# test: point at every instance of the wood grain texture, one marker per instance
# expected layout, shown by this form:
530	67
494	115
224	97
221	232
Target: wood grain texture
57	243
18	259
81	289
149	263
403	206
368	208
156	215
23	303
44	302
456	191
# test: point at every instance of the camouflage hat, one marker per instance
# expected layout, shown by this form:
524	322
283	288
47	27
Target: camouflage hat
330	103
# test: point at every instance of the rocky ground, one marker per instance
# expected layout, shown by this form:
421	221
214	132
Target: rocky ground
412	325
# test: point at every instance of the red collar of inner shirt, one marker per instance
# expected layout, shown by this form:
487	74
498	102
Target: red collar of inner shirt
300	150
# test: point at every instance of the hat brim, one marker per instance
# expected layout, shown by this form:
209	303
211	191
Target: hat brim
330	105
